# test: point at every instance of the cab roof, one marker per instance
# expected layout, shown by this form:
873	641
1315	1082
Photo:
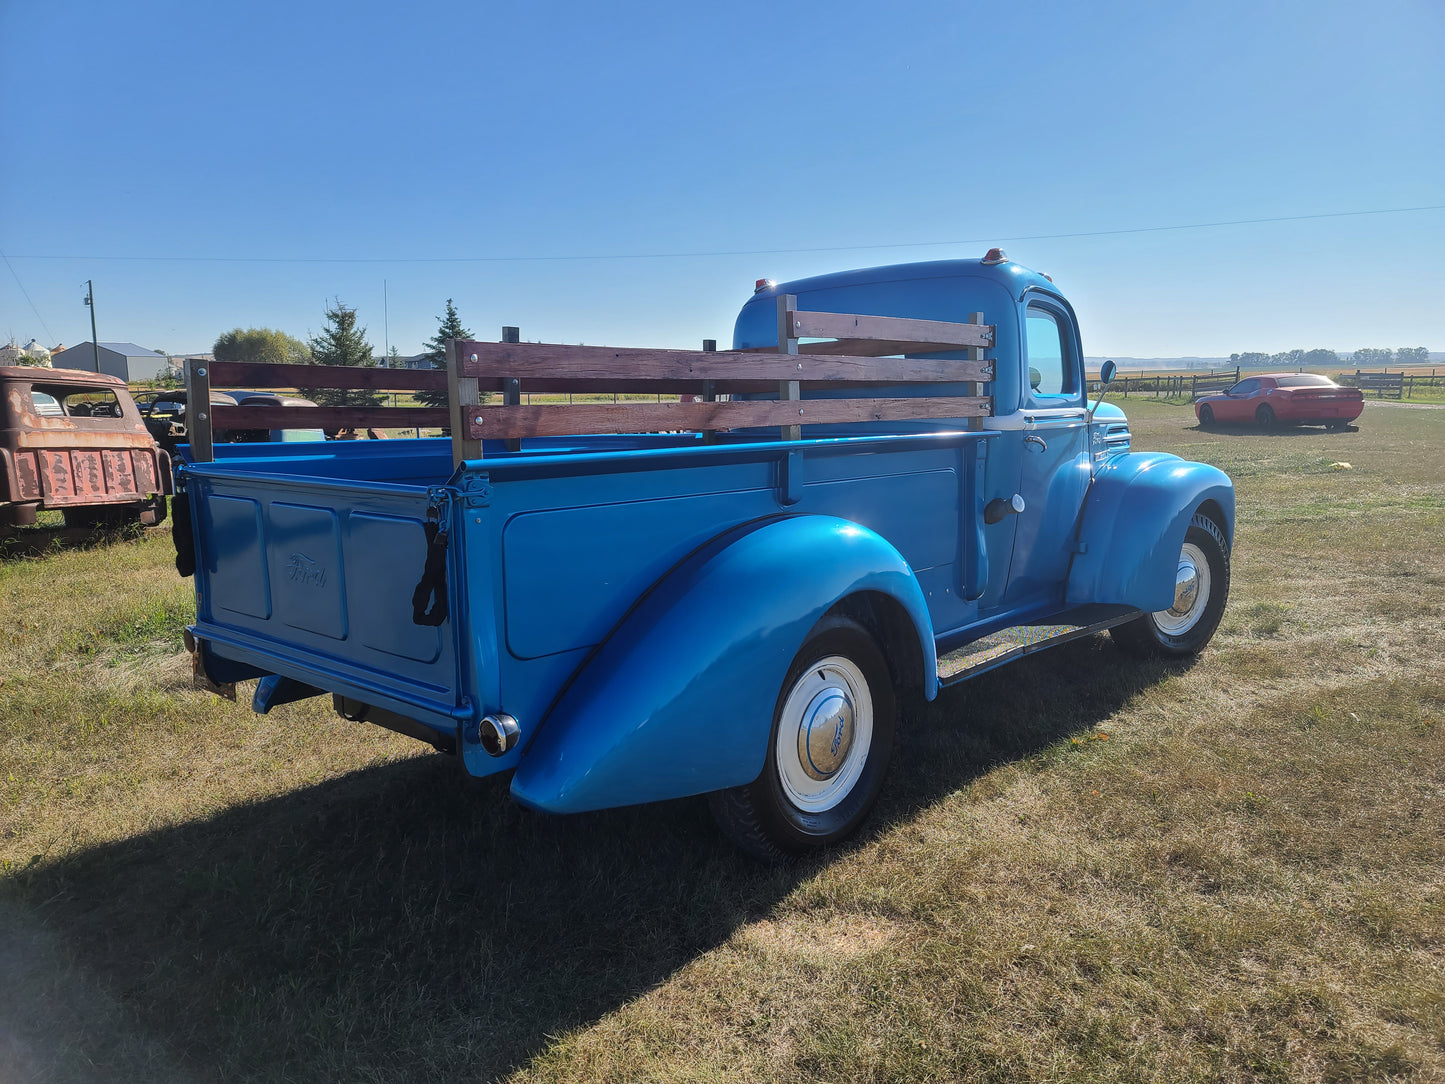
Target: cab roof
1014	277
39	374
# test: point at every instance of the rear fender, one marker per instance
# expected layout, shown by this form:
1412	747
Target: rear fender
1135	518
679	699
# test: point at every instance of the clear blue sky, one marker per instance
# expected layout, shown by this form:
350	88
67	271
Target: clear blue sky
208	136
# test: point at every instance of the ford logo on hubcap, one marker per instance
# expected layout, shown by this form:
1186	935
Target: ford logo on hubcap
826	734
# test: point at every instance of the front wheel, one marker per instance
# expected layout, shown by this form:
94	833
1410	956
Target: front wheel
1201	586
1206	417
831	739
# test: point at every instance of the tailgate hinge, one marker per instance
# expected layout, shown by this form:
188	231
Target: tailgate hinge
476	491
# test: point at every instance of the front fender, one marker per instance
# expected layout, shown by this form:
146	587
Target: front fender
679	699
1135	518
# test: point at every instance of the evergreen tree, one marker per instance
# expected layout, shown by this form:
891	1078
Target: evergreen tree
341	342
448	327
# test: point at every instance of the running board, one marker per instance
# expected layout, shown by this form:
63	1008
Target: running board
995	649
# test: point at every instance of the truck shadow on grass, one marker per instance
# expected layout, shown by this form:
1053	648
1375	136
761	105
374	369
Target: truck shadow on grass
405	922
17	543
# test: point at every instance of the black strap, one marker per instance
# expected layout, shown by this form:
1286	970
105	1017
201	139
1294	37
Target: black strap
433	586
181	534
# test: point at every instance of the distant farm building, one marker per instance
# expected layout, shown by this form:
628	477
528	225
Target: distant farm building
128	361
405	361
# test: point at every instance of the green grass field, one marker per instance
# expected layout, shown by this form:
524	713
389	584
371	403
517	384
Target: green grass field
1083	867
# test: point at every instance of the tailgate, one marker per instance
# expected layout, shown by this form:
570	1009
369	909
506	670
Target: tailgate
313	580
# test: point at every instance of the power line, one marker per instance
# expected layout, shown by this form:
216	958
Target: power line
48	333
747	251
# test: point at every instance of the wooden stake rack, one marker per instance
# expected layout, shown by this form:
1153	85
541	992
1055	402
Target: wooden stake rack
203	421
842	351
854	354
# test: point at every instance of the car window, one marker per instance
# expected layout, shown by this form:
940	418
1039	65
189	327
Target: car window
1305	380
1245	387
92	403
60	402
46	405
1049	372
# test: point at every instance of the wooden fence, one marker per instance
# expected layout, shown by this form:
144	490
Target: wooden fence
1388	385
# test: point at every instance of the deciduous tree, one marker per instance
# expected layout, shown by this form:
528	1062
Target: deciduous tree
261	344
1370	356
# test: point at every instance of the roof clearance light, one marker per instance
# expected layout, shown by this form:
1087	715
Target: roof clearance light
762	284
995	255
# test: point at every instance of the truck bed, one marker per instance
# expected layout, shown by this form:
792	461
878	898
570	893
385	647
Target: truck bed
309	558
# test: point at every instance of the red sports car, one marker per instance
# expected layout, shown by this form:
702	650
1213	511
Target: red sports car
1283	399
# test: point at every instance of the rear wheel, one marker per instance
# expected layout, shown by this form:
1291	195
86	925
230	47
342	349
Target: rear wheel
1265	416
1201	586
1206	417
831	739
1338	423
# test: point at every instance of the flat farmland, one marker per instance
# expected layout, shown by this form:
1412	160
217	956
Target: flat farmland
1084	867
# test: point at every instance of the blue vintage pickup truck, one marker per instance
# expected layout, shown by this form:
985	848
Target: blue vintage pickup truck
893	481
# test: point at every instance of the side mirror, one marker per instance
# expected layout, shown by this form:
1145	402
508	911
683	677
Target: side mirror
1107	372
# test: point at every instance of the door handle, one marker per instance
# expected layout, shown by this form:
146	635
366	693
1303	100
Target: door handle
1034	438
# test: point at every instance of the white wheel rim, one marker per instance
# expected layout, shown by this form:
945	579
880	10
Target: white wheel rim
825	730
1191	593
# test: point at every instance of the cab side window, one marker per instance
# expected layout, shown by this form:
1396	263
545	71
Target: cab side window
1245	387
1050	365
46	405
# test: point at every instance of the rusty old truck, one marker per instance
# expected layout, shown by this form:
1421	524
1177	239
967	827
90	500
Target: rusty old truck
74	442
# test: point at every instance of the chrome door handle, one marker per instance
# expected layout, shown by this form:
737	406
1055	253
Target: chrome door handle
1033	438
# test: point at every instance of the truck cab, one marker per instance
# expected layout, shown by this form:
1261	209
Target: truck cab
1048	445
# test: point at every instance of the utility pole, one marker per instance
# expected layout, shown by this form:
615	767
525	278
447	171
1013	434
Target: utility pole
90	304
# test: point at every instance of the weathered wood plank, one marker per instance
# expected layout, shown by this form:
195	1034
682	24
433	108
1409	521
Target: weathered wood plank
936	334
557	363
244	374
877	348
494	422
200	426
788	390
273	417
462	396
974	355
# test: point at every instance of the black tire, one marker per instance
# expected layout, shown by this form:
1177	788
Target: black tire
1179	633
153	511
1206	417
1336	425
769	818
1265	416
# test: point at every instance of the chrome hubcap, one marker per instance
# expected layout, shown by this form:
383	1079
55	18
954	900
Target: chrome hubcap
824	733
1191	593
